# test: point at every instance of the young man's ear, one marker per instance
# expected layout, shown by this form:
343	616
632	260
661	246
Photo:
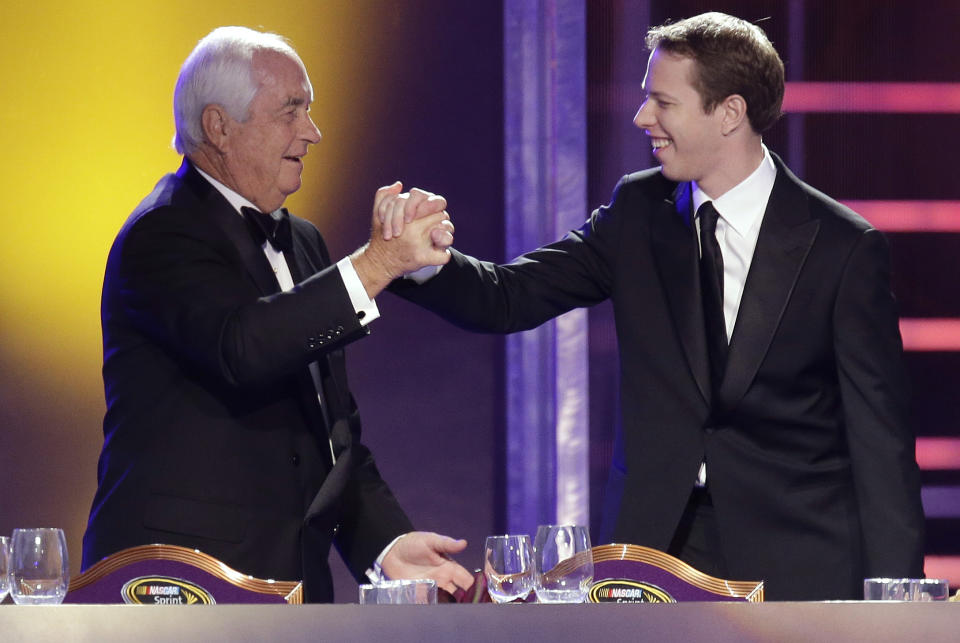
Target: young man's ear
734	113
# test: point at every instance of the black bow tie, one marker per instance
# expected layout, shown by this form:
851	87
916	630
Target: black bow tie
273	227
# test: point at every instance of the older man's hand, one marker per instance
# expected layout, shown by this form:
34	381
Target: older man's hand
424	554
422	242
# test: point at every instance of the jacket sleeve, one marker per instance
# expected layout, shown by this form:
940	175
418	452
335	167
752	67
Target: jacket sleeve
187	289
575	271
874	394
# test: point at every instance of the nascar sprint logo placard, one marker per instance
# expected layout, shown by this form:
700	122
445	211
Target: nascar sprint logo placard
620	590
164	590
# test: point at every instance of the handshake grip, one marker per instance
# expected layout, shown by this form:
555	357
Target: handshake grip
409	231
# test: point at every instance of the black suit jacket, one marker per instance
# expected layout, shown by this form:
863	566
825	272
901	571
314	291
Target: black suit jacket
810	464
213	436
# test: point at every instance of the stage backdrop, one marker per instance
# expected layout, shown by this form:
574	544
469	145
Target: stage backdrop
407	90
412	89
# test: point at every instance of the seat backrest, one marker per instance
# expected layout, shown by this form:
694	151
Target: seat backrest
637	574
169	574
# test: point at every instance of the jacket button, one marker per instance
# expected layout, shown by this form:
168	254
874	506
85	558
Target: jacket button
295	459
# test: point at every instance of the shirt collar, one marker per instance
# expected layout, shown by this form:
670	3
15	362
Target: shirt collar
235	199
742	206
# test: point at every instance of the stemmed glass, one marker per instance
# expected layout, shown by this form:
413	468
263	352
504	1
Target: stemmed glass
4	567
564	563
508	567
39	570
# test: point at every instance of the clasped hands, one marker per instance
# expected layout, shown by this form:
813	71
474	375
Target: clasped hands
409	231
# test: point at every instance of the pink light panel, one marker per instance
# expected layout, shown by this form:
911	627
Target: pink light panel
910	216
938	454
897	98
930	334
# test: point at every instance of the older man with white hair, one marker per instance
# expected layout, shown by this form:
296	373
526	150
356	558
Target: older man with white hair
230	427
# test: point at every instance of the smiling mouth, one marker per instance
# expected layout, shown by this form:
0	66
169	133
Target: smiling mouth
659	143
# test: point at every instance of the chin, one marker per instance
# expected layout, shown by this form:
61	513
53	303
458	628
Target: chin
290	186
674	173
670	174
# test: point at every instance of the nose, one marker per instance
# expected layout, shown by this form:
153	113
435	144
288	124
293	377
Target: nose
310	132
644	118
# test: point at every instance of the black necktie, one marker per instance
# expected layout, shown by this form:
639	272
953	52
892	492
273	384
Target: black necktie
274	228
711	287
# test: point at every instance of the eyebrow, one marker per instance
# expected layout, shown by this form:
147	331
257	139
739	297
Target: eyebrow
294	101
660	96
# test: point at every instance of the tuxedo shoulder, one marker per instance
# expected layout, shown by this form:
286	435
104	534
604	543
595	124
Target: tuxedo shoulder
303	225
175	208
834	213
650	180
164	193
828	210
171	194
648	184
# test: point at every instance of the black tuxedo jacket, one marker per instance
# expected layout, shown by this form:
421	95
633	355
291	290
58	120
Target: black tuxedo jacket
810	462
213	436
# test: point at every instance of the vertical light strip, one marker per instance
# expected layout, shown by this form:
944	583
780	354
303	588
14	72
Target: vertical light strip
545	161
569	96
530	449
796	45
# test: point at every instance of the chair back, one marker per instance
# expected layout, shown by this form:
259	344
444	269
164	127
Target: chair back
637	574
170	574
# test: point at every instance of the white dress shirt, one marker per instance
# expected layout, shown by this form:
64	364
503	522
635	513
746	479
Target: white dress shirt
741	211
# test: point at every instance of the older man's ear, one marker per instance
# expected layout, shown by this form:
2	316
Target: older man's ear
216	124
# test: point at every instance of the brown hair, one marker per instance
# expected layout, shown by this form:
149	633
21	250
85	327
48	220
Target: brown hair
732	56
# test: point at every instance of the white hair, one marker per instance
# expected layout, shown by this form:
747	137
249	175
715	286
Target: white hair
219	71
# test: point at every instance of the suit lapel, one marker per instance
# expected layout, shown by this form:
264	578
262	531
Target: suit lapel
337	398
786	235
333	375
299	262
676	254
214	205
301	265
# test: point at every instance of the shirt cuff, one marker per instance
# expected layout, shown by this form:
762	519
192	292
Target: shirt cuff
375	574
424	274
365	307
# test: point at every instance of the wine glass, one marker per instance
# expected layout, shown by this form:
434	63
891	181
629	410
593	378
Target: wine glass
39	571
564	563
4	567
508	567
